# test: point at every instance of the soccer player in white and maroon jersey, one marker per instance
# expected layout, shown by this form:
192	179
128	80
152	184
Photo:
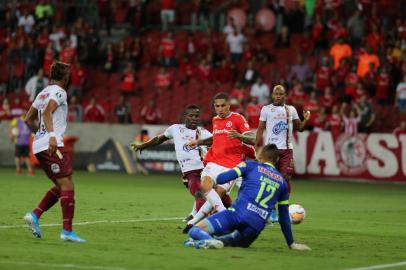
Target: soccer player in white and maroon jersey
279	120
230	132
50	108
190	160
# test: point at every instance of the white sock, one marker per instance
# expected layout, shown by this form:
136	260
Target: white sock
203	211
215	200
194	211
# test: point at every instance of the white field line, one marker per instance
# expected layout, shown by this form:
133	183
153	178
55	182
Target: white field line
380	266
69	266
97	222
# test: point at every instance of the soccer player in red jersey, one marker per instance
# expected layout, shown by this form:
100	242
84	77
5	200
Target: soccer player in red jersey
51	108
230	132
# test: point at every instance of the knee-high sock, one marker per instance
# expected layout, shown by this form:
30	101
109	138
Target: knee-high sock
215	200
50	198
194	211
68	208
203	212
232	239
198	234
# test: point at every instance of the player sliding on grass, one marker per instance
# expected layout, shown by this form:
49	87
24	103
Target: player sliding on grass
230	132
51	108
262	188
190	160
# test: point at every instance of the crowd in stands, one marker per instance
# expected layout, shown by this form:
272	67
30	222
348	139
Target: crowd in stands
345	61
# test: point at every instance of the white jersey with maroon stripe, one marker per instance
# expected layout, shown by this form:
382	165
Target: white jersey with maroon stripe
351	125
279	124
59	117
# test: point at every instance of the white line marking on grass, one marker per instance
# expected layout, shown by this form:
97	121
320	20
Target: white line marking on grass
97	222
75	266
380	266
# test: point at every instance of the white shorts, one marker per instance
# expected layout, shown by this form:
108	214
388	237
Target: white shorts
212	170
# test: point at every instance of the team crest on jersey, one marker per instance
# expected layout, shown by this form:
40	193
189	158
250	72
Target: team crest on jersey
181	130
55	168
279	127
351	154
229	124
43	97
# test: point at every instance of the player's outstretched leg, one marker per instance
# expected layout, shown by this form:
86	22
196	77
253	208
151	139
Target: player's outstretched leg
203	239
32	218
68	209
211	195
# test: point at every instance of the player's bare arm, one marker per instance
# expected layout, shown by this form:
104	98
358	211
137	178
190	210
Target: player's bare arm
195	143
157	140
300	125
248	137
51	107
30	118
260	133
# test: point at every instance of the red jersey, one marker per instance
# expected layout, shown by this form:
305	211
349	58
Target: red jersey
225	151
128	82
77	76
322	78
253	113
163	80
334	121
382	85
168	47
327	101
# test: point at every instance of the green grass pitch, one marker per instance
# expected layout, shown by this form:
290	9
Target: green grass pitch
133	224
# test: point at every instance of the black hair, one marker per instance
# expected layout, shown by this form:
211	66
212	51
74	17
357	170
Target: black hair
270	152
59	70
222	95
191	107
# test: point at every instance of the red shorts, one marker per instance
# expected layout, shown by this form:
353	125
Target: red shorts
193	180
54	167
285	164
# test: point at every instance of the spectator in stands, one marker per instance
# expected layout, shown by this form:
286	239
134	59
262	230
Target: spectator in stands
327	100
109	61
351	122
26	20
278	8
250	74
235	42
75	110
383	84
91	41
167	50
123	112
224	73
312	104
365	60
150	113
128	81
57	36
239	92
366	113
17	108
369	80
203	70
323	75
253	111
340	50
261	55
230	27
261	91
400	130
44	12
320	120
334	122
5	110
283	38
186	70
77	79
35	84
401	95
356	25
300	71
137	52
94	112
167	13
163	80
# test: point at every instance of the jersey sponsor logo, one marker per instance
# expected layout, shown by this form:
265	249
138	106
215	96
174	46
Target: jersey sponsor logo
351	153
43	97
220	131
270	174
261	212
229	124
187	148
279	127
55	168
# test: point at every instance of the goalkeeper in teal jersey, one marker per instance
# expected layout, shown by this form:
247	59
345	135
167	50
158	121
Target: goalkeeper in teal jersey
262	188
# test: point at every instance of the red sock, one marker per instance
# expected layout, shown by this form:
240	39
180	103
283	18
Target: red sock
227	201
50	198
68	208
199	203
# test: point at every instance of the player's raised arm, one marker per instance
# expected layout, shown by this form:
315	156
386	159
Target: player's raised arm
300	125
232	174
30	118
157	140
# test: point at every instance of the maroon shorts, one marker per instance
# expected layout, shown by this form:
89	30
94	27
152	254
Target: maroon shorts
285	164
193	180
54	167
